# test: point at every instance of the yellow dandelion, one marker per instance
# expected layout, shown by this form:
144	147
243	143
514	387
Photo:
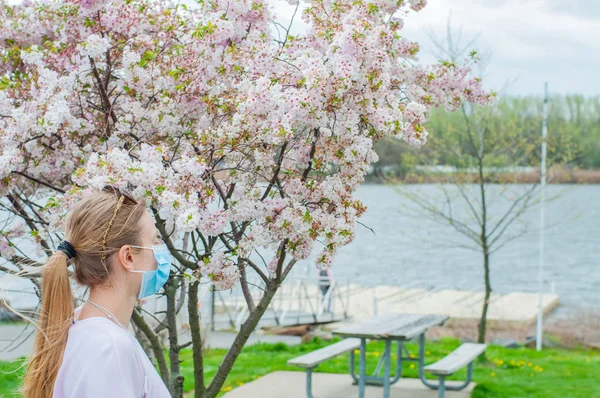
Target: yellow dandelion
529	364
227	389
412	365
427	352
493	374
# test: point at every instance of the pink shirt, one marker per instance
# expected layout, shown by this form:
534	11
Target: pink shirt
102	359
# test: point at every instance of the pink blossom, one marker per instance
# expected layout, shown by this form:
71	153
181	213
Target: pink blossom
228	134
220	270
417	5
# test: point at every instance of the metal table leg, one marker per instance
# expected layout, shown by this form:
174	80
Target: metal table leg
441	387
362	368
386	375
375	380
422	364
309	372
353	368
398	363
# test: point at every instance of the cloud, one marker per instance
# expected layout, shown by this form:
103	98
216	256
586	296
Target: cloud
531	40
584	9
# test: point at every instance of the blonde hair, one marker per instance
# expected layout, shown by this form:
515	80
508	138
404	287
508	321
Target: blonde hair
98	226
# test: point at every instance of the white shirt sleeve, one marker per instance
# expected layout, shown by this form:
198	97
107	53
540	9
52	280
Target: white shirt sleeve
102	364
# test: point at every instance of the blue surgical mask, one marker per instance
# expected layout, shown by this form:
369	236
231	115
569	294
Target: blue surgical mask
153	280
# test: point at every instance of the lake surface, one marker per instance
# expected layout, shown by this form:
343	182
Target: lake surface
407	248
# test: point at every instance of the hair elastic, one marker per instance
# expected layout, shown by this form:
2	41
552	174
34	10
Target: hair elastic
67	248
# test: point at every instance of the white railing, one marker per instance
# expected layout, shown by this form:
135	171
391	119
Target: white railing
297	298
300	301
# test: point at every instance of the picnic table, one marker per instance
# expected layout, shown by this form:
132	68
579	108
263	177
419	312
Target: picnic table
392	327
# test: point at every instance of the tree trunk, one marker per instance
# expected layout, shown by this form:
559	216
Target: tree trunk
486	301
485	247
196	330
176	379
240	340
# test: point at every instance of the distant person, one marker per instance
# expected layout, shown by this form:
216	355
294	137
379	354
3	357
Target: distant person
326	284
115	251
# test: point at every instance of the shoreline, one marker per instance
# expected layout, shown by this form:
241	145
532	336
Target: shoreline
555	175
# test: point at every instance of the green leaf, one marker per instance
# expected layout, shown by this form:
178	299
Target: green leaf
307	217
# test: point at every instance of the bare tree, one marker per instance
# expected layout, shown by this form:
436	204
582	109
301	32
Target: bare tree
485	154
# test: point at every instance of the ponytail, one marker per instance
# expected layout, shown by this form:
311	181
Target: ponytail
56	316
84	234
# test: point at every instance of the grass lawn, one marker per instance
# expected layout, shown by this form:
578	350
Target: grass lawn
508	373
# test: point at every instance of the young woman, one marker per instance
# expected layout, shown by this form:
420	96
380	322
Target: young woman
114	249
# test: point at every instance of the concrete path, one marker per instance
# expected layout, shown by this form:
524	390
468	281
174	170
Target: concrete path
327	385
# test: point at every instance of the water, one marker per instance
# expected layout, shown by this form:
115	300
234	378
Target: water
410	249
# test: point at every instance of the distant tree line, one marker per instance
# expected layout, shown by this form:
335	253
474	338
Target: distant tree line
573	136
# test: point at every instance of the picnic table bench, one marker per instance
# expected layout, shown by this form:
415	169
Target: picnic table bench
315	358
456	360
390	328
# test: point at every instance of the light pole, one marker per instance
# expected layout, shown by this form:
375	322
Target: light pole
538	342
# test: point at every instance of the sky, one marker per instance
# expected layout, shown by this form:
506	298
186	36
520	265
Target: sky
529	41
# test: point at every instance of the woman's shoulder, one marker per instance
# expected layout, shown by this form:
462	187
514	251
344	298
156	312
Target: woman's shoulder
99	356
98	335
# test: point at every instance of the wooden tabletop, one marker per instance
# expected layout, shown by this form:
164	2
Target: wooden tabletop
392	326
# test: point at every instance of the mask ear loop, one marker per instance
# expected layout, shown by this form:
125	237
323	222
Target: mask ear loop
144	247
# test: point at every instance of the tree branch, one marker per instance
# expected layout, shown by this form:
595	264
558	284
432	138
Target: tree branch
140	322
276	172
160	225
256	268
466	199
281	253
311	155
247	260
526	196
103	94
244	283
46	184
288	268
17	206
509	222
